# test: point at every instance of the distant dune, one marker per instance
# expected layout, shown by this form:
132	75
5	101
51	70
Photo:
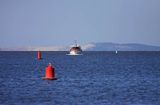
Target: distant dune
91	47
36	48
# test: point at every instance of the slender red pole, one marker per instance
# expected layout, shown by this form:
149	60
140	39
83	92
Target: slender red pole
39	55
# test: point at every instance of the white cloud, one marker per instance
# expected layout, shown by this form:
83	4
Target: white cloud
88	46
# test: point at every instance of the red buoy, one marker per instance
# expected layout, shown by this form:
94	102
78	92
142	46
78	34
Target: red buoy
49	73
39	55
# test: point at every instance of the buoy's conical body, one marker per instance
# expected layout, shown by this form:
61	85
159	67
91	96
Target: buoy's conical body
49	73
39	55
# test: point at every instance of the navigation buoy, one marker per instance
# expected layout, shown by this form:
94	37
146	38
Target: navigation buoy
39	55
49	73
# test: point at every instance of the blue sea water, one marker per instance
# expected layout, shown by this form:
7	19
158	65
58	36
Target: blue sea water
94	78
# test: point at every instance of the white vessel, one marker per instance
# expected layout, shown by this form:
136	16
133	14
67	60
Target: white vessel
75	50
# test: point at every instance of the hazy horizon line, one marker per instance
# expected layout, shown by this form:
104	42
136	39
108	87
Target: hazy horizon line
67	45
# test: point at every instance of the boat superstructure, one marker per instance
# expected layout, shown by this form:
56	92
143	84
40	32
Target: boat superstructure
75	50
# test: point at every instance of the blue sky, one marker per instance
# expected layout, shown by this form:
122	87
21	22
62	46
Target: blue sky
60	22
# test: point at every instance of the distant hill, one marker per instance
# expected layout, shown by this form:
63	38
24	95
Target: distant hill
121	47
90	47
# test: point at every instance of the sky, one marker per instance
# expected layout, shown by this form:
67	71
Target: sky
60	22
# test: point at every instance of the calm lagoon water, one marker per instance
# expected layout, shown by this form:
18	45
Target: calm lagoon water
94	78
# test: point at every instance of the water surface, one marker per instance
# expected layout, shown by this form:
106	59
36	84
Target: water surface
94	78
